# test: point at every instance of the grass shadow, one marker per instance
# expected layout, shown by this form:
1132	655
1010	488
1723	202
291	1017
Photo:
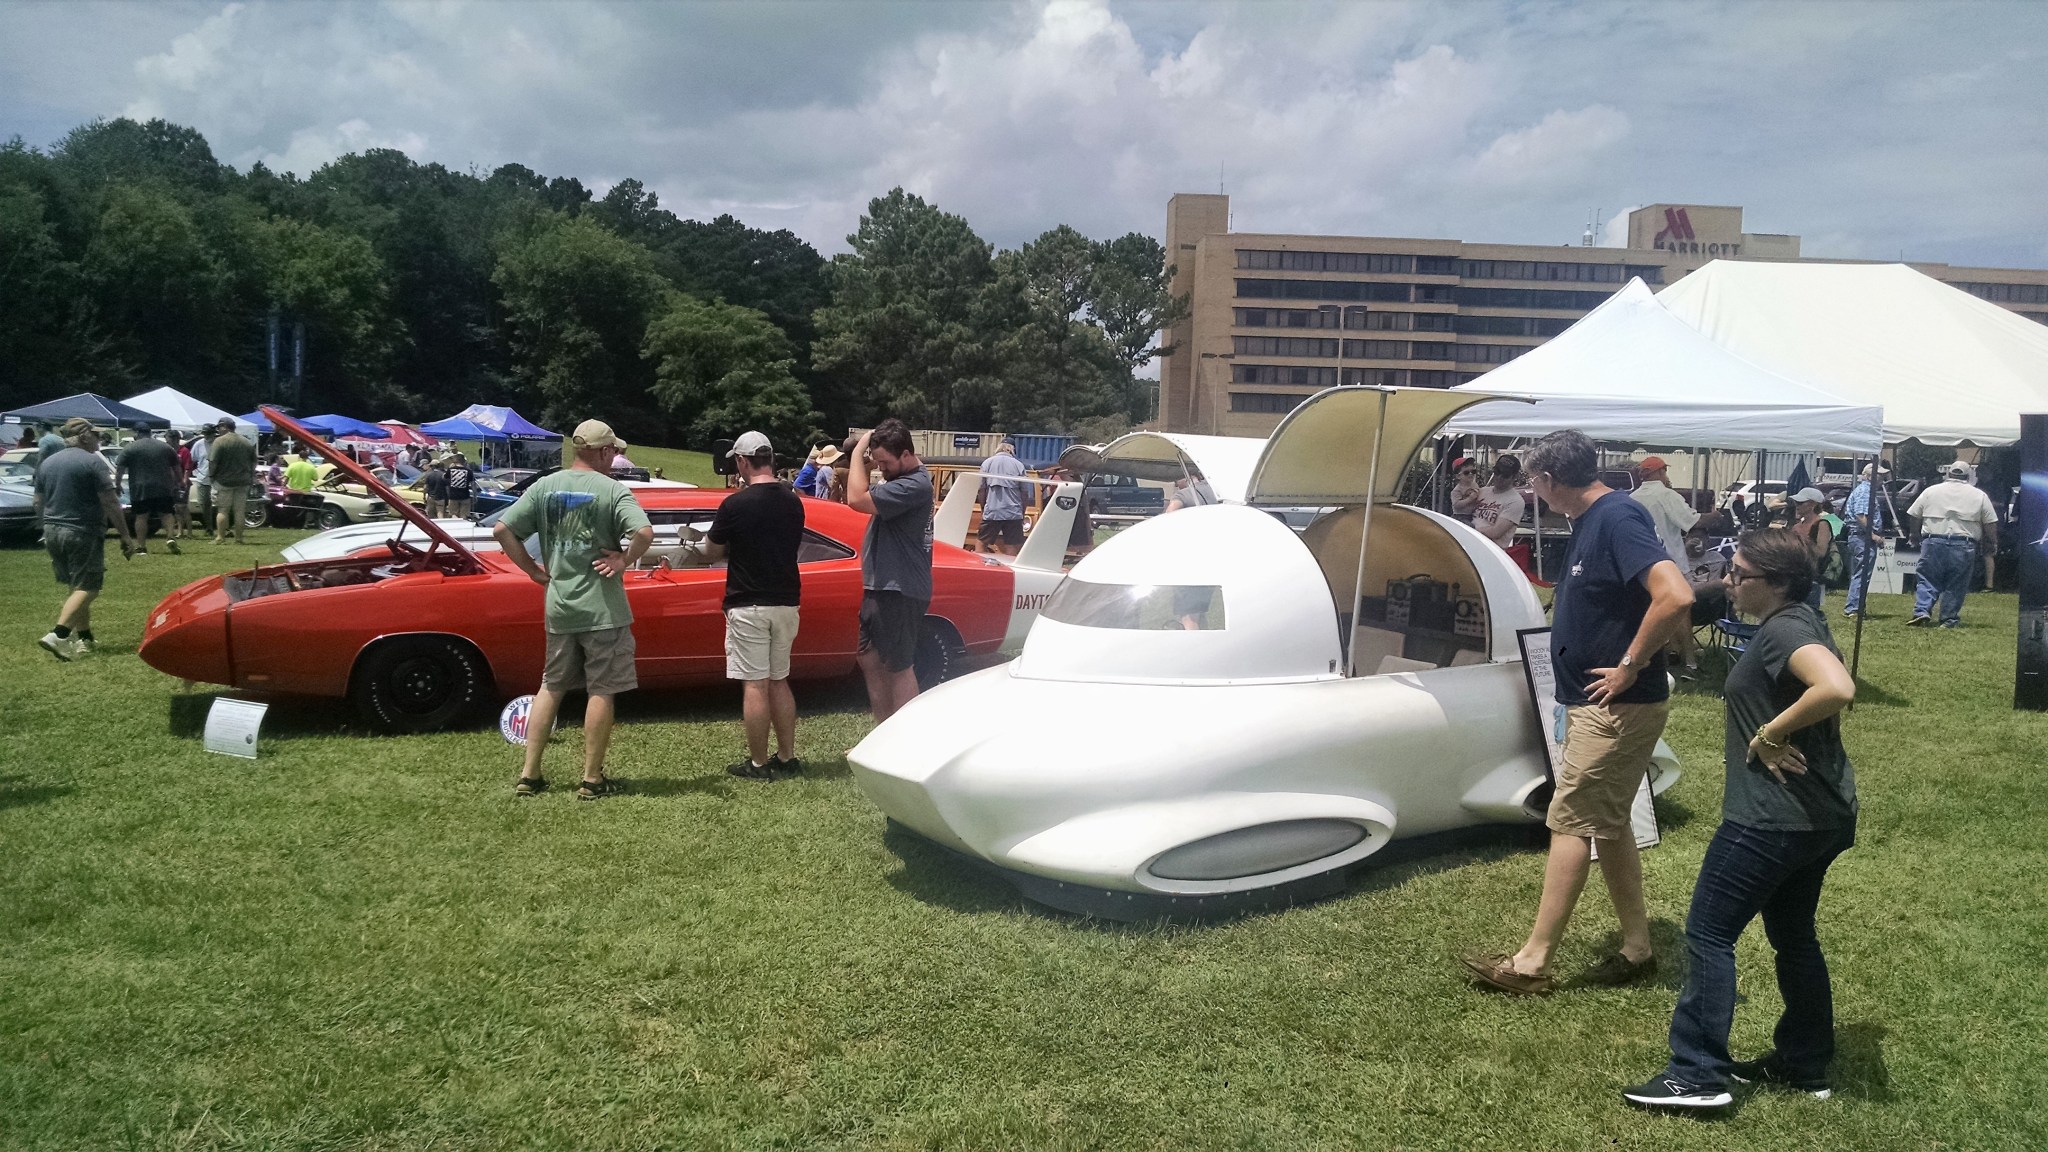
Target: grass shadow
1672	814
721	701
1859	1069
1869	693
16	795
937	875
1405	860
719	785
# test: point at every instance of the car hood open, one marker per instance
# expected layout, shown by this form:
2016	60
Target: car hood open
355	471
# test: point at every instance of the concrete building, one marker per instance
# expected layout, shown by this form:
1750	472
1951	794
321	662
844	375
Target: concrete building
1275	318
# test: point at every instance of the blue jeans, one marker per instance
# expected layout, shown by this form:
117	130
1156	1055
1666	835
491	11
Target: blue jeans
1862	562
1749	871
1946	565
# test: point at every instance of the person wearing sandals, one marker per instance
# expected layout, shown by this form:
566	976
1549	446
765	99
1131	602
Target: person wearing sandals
1788	810
581	514
1620	600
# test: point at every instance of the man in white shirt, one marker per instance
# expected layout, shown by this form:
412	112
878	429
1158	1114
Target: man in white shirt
1668	510
1674	517
1500	505
1954	518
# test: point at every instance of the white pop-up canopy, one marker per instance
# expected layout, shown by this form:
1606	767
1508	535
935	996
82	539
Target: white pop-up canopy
1945	366
185	413
1630	370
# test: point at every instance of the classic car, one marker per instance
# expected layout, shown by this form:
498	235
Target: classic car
1233	713
423	632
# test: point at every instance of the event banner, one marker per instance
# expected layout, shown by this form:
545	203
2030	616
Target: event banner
2030	520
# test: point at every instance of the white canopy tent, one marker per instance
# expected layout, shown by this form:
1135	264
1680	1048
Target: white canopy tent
1945	366
185	413
1631	371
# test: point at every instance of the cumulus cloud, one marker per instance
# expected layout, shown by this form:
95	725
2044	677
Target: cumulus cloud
1866	128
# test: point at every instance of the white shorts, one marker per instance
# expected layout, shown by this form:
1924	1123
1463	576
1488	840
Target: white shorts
757	641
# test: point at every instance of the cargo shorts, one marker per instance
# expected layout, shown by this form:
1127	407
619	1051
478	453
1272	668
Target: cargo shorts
1607	749
599	663
78	557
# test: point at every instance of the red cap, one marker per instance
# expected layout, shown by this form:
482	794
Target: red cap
1652	463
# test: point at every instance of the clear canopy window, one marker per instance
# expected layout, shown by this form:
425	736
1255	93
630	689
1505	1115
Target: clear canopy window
1138	607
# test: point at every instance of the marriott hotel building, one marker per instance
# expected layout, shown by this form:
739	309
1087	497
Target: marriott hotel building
1276	318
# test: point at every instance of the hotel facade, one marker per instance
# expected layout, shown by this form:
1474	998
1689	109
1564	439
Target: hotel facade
1275	318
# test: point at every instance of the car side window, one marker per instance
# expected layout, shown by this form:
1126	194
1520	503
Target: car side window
817	549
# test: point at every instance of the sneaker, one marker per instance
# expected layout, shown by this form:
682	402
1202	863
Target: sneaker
1850	613
1951	624
1919	621
1765	1071
171	546
59	646
1671	1092
83	645
784	769
1615	970
746	769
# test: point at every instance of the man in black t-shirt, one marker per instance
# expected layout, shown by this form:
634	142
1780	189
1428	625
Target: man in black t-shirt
461	481
758	531
1620	600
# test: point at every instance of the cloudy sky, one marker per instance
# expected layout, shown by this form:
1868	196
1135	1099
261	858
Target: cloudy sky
1872	129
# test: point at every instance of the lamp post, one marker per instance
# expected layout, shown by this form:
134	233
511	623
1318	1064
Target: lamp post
1195	388
1342	313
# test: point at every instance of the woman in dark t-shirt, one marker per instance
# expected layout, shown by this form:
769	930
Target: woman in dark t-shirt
1788	809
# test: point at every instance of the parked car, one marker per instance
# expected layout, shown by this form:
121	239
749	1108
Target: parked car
422	634
1109	495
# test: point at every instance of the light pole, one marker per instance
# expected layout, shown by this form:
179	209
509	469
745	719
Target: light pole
1195	387
1341	312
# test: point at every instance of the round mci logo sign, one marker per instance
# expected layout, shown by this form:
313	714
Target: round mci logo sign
512	721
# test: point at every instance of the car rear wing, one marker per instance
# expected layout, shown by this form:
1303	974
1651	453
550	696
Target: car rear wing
1045	548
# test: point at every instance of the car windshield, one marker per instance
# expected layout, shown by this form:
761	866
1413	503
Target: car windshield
1138	607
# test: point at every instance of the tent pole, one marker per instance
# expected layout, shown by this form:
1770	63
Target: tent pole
1536	519
1372	482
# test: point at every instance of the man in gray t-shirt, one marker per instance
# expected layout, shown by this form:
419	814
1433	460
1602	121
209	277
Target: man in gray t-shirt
75	498
895	562
1002	501
151	467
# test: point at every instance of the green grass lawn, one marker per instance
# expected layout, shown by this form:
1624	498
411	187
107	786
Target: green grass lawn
360	942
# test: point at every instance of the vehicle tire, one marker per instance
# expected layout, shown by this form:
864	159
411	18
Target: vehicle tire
256	513
939	653
419	684
331	516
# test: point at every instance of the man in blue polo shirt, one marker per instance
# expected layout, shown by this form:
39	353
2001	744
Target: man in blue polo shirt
1620	600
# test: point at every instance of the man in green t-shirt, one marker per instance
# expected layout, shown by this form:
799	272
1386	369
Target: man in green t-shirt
232	461
581	514
300	475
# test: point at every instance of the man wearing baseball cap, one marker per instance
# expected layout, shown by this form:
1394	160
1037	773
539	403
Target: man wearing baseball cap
581	514
74	498
757	532
1955	518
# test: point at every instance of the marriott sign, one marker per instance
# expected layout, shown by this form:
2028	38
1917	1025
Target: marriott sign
1677	236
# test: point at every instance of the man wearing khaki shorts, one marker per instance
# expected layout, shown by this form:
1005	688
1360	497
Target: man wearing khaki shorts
581	514
757	532
1620	600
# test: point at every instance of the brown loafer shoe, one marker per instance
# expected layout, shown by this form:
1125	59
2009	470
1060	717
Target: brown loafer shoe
1498	972
1615	970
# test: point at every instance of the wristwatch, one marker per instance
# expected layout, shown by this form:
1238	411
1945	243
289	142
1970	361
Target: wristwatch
1628	660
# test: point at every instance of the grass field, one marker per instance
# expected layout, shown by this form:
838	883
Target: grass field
360	942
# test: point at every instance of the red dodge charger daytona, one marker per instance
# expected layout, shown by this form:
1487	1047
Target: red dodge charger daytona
421	634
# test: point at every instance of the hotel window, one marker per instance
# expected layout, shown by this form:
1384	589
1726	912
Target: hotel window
1287	261
2007	293
1422	378
1382	377
1488	353
1434	321
1436	266
1376	349
1340	290
1282	374
1528	298
1267	403
1435	294
1431	351
1282	346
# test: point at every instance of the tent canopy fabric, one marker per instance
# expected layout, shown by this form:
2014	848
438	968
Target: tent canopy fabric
1321	453
258	421
1945	366
101	410
461	428
185	413
334	424
1226	461
1630	370
497	418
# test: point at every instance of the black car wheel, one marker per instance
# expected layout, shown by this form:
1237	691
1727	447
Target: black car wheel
938	654
419	684
331	516
255	513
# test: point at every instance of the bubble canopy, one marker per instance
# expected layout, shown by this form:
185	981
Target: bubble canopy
1221	594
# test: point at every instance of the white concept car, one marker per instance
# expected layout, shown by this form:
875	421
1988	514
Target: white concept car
1218	711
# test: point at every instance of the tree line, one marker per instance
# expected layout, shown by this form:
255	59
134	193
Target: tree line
131	257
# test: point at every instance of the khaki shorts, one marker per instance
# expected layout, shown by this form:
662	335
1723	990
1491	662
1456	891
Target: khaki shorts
232	501
757	641
77	556
1607	751
599	663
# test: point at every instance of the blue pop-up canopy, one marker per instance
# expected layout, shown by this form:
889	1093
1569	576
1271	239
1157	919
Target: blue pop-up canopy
336	425
99	409
488	422
257	418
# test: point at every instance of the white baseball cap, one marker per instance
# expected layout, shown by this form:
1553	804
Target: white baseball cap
750	444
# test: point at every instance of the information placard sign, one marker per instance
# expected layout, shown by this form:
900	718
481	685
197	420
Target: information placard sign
1541	676
232	727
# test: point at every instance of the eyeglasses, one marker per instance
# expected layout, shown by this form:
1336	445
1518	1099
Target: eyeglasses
1736	574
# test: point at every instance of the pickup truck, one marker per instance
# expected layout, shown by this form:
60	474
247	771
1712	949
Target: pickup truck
1109	495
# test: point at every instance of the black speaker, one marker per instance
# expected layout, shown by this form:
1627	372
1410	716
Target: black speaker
722	463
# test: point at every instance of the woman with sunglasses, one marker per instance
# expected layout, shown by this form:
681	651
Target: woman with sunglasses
1789	808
